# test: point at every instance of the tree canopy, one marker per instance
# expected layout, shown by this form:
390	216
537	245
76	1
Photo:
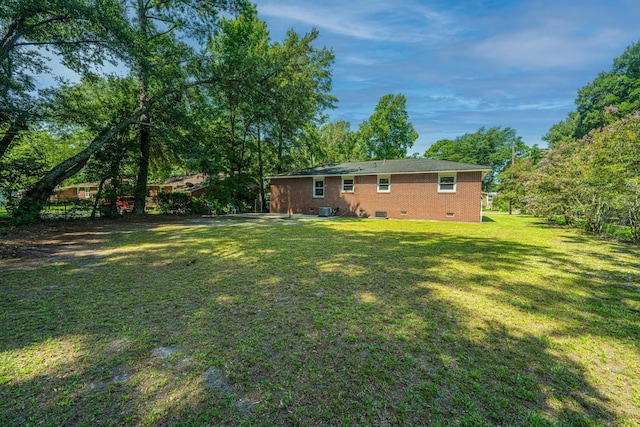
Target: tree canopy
388	133
488	147
618	88
264	94
589	176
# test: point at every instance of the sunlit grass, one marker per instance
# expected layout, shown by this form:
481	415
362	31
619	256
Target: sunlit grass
339	322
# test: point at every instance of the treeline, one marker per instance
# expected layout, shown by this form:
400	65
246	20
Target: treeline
590	175
199	87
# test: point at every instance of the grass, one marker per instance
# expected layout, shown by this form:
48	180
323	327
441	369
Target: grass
335	322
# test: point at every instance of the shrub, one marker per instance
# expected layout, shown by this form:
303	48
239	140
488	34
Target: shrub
180	203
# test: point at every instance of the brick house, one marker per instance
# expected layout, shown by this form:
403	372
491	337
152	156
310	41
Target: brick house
405	188
194	184
85	190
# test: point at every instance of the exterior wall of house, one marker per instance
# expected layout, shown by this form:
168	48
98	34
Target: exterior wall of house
411	196
75	193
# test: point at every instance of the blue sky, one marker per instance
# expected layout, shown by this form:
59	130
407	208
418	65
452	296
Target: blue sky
463	64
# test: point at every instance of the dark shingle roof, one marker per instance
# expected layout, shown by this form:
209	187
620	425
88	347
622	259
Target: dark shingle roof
376	167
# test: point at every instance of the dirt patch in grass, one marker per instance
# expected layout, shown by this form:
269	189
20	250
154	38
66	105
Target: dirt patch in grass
58	238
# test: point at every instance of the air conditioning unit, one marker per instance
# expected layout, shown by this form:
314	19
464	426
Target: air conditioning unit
324	211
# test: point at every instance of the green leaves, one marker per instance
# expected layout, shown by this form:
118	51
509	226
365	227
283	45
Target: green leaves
619	87
491	147
388	133
593	181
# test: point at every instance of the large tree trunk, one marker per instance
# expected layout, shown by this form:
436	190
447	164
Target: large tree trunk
140	191
263	200
34	199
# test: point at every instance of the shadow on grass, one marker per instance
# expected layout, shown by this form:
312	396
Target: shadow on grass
326	323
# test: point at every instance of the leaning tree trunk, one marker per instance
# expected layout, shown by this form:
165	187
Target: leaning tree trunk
34	199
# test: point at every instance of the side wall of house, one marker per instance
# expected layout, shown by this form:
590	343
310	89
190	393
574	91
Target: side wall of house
411	196
74	193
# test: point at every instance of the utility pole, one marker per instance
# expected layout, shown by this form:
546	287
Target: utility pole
513	159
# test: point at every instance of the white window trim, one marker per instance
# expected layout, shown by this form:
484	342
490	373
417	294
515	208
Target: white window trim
318	179
353	185
87	192
448	175
388	190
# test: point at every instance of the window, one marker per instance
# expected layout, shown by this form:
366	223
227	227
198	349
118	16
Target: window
87	192
318	188
348	184
384	183
447	183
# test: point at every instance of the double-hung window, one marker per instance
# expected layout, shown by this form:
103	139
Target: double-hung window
318	188
87	192
447	183
348	184
384	183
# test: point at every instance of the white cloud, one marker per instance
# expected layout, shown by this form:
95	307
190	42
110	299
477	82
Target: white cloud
365	19
543	48
543	36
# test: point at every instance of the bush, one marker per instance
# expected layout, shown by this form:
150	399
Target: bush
181	203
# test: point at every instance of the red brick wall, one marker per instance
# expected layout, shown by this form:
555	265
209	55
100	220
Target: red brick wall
413	196
72	193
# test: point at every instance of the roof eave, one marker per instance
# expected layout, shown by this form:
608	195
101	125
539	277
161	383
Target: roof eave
485	172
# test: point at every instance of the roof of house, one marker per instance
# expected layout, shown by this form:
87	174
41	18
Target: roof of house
377	167
182	180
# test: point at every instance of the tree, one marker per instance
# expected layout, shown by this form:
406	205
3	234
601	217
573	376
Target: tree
618	88
387	134
593	181
82	33
166	31
512	190
339	144
176	70
263	114
492	147
109	100
563	131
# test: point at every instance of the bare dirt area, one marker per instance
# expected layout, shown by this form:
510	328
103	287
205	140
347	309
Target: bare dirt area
48	239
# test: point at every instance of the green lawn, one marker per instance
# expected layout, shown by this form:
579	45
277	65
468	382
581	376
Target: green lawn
334	322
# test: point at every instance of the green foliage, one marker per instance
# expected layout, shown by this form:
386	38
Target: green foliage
593	182
81	33
488	147
563	131
339	144
513	180
512	191
618	88
266	112
388	133
237	189
181	203
267	97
